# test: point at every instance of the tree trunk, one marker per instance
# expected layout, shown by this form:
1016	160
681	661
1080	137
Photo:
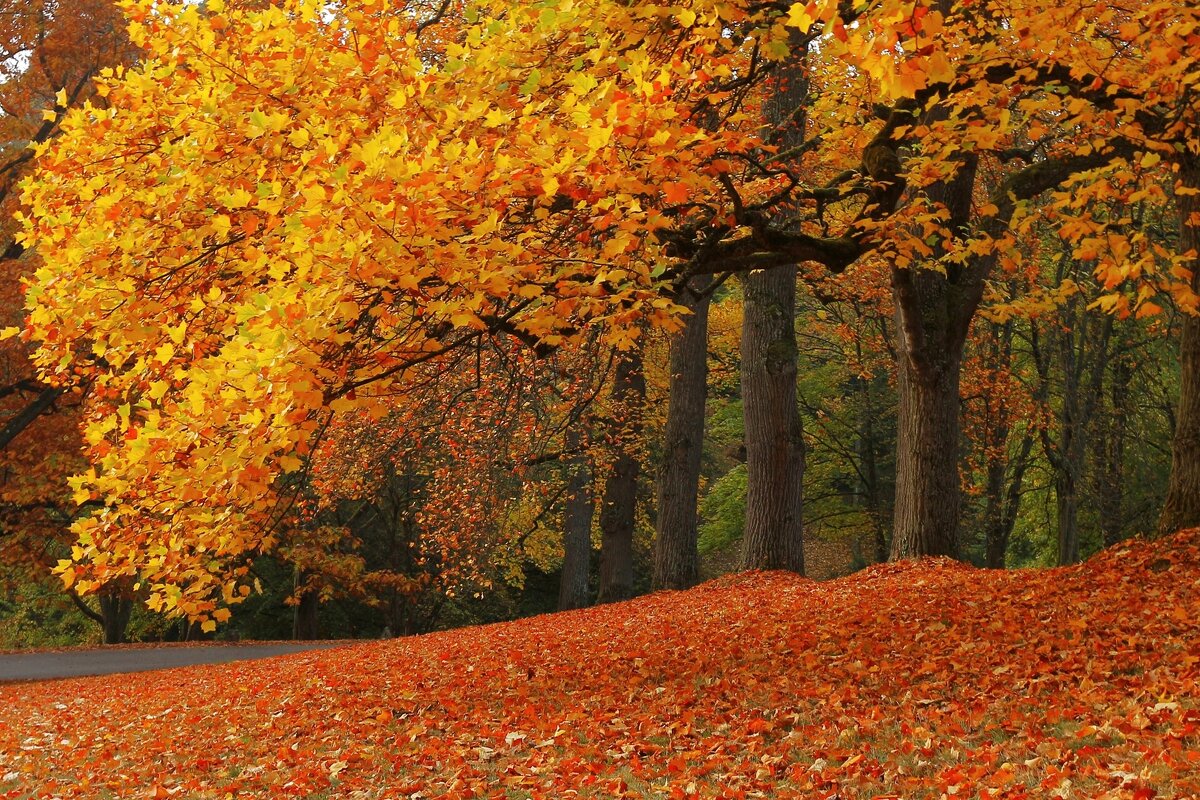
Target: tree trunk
619	508
1182	506
1110	482
1081	356
870	474
1003	502
1067	503
114	612
995	543
934	306
1065	462
577	538
1087	358
1005	473
676	557
927	480
304	618
774	439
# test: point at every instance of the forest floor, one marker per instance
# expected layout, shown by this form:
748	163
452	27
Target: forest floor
914	680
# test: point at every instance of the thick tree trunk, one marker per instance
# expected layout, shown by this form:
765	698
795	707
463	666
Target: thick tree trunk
577	538
114	613
619	507
1182	506
676	557
773	536
927	480
934	307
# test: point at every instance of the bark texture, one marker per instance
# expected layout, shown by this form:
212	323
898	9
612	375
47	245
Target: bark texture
774	535
927	480
1182	506
676	557
934	308
619	507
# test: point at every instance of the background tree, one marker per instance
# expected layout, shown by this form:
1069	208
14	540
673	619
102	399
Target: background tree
49	53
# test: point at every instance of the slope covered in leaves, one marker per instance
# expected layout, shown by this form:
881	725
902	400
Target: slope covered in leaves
910	680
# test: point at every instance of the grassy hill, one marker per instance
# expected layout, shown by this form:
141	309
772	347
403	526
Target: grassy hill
902	681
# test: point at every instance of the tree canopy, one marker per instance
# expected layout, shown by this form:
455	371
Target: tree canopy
284	210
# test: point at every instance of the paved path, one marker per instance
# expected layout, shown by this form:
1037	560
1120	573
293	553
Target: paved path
74	663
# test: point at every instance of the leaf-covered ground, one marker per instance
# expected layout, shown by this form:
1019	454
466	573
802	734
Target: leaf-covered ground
903	681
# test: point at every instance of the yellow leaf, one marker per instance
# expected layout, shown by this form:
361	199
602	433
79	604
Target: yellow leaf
238	198
802	16
314	192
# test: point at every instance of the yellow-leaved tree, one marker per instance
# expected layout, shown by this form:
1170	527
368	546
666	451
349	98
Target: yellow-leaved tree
285	208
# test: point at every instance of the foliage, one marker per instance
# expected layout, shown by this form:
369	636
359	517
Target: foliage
723	511
48	53
241	374
38	614
918	680
317	202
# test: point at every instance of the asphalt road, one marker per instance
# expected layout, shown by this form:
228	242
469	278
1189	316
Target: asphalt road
75	663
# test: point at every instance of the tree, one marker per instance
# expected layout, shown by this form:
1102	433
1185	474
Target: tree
1079	344
676	554
1182	506
1002	421
773	537
578	512
618	505
48	54
435	500
316	201
220	297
